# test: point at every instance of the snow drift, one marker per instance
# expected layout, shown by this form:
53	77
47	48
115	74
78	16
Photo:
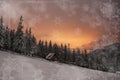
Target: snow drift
16	67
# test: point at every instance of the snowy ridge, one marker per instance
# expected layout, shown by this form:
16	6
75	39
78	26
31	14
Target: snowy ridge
15	67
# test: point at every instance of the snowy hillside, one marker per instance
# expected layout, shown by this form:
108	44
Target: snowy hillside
16	67
110	56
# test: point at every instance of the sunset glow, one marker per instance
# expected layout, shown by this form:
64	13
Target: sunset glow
75	22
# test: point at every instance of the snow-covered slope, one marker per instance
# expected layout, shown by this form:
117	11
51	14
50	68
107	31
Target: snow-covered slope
110	56
16	67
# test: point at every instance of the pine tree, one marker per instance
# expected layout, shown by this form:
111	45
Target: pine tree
65	53
26	46
73	55
39	48
68	54
29	46
61	54
18	40
85	58
7	38
46	48
12	34
33	45
77	57
56	51
42	49
1	33
50	47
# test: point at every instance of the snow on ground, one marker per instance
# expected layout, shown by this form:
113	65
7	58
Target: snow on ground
16	67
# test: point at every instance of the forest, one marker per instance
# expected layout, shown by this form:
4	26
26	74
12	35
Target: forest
25	43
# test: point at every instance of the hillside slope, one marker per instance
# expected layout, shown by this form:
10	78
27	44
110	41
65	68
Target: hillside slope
16	67
110	56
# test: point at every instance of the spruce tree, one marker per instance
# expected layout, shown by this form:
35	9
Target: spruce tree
12	35
26	46
29	46
77	57
46	48
50	47
39	48
42	49
18	40
73	55
6	38
61	53
56	51
1	33
33	45
65	53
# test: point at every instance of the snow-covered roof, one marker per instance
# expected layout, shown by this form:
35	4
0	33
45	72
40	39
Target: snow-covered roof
50	55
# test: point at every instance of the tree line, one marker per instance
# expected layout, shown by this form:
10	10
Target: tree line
25	43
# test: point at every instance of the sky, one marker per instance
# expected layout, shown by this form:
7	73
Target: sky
77	22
